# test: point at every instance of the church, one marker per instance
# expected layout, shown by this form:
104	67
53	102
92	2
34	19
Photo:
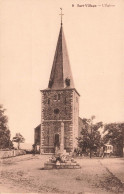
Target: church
59	105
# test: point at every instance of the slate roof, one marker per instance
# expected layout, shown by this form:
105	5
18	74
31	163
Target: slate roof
61	76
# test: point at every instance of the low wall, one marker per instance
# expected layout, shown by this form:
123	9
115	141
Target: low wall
11	153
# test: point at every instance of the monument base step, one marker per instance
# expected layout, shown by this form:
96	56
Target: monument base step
48	166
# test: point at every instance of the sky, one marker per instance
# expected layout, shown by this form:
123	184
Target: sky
95	40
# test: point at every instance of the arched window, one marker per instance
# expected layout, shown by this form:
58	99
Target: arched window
57	97
67	82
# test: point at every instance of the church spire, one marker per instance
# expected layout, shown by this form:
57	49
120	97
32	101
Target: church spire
61	76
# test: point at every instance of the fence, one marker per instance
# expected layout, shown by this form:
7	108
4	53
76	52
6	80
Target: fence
11	153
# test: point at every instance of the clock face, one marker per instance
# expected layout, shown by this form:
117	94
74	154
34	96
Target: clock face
56	111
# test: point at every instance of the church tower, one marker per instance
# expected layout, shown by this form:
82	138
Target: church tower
60	103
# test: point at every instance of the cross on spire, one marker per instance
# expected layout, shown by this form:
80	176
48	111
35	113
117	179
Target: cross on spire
61	15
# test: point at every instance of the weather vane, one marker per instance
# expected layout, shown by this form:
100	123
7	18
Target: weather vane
61	15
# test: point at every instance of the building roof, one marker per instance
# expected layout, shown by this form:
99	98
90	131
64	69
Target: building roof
61	76
38	127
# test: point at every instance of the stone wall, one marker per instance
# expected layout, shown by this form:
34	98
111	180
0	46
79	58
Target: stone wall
11	153
60	99
57	106
75	118
50	128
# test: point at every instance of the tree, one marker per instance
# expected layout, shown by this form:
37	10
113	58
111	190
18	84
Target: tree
90	138
5	141
115	136
18	139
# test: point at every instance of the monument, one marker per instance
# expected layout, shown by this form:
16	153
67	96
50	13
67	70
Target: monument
61	159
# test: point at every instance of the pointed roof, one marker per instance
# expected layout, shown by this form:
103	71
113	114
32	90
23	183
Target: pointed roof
61	76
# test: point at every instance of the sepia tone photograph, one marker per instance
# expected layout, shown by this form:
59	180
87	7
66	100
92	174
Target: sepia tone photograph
62	96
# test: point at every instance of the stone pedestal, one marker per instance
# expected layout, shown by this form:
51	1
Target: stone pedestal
61	159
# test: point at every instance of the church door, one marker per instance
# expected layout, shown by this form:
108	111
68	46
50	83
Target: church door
56	142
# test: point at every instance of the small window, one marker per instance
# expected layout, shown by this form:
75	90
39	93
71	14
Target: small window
65	111
48	101
55	97
58	96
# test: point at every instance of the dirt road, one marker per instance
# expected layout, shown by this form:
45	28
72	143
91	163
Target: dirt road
24	174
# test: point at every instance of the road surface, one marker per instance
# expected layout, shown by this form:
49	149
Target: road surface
97	176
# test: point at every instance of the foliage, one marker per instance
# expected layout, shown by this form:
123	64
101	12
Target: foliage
18	139
90	138
114	135
5	141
